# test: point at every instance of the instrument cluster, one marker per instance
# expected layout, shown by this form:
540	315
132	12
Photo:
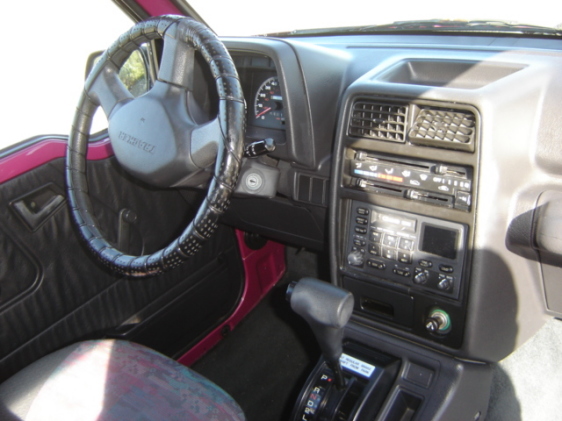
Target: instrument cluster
262	90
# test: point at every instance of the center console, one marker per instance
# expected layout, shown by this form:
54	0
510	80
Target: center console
403	200
403	214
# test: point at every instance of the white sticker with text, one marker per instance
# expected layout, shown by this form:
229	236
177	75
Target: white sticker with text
357	366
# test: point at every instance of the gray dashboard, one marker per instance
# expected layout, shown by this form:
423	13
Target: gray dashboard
473	126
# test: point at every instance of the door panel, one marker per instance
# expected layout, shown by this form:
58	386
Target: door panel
53	293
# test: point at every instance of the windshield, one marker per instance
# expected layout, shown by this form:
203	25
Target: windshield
253	17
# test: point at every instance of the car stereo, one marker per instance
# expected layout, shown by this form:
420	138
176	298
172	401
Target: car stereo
414	250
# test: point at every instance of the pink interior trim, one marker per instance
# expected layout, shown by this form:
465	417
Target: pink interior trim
45	151
158	7
264	268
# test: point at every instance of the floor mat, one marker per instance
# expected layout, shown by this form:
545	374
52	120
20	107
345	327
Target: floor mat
265	361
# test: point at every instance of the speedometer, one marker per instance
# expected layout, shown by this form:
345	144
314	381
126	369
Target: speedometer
268	105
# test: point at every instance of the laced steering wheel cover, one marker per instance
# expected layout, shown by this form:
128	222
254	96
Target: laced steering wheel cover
231	118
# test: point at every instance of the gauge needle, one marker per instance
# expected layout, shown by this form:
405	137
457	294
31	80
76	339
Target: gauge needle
264	111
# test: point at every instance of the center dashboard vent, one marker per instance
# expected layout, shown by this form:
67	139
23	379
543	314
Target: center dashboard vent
443	125
422	124
379	121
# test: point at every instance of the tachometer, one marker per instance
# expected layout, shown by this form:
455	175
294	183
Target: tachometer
268	105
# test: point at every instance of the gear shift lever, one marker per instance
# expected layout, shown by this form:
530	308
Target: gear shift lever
327	310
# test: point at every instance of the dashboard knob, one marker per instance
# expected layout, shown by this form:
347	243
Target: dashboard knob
421	278
355	258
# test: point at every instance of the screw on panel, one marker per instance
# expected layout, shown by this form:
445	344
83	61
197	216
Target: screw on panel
225	331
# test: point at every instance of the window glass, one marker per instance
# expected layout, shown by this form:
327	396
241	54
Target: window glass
134	75
45	61
252	17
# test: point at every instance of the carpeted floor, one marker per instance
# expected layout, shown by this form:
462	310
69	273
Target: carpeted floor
267	358
527	385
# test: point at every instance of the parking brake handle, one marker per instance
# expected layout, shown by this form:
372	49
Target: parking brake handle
327	310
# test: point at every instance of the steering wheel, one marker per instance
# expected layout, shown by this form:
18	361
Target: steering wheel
157	140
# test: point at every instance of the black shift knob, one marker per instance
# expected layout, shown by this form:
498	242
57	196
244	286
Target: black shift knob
327	310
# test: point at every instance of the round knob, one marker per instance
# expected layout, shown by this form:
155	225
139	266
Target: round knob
355	258
421	278
445	284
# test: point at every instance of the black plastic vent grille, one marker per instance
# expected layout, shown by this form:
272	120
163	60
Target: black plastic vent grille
377	120
445	125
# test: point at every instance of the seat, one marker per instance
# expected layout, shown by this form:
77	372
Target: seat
112	380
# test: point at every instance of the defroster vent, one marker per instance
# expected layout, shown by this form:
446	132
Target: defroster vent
377	120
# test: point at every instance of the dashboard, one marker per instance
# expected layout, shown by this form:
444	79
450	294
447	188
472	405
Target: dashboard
423	165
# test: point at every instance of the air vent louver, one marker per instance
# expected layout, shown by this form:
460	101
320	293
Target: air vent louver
378	121
440	124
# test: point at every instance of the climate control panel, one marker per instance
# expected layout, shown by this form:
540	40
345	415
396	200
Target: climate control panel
434	183
414	250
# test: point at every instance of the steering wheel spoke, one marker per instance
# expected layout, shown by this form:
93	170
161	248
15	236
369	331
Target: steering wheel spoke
107	90
157	139
177	63
205	142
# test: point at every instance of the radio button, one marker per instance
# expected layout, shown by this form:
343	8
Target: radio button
406	244
446	269
404	257
376	237
375	249
376	264
401	271
361	221
389	253
425	263
361	230
358	241
390	240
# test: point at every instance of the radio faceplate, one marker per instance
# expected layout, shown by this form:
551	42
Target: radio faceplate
417	251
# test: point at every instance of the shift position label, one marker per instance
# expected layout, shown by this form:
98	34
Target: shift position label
357	366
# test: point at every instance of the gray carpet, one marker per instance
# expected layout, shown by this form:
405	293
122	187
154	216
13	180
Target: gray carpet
527	385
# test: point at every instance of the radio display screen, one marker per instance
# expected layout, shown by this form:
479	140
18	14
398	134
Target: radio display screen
439	241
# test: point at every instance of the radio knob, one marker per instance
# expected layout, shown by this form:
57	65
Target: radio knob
355	258
421	278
